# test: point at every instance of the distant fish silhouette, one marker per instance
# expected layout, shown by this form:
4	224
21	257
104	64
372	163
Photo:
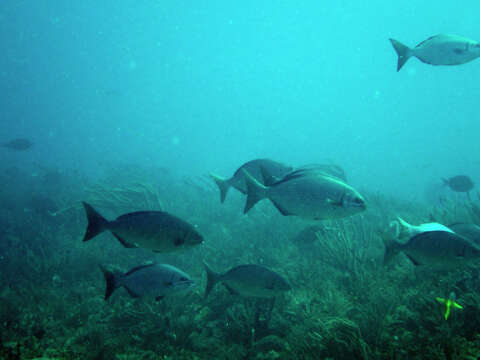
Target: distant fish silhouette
459	183
18	144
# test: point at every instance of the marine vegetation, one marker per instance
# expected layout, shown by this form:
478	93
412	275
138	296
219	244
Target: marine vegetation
339	300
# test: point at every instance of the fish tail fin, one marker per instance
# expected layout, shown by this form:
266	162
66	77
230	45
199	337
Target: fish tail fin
223	185
111	281
96	222
445	182
404	53
390	243
255	191
403	228
212	279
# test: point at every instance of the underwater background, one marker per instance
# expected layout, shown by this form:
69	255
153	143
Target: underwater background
130	105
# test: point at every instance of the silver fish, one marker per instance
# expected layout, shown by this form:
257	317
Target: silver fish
157	280
249	280
275	169
158	231
439	50
307	193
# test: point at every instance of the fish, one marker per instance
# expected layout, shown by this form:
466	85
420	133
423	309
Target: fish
249	280
158	231
430	244
459	183
275	169
157	280
307	193
330	169
18	144
442	49
469	231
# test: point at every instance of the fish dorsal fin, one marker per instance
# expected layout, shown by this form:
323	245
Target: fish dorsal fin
138	213
426	40
124	242
136	268
292	175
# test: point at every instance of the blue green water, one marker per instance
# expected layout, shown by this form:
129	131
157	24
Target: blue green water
165	92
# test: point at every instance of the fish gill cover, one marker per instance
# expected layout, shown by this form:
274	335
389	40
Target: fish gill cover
150	111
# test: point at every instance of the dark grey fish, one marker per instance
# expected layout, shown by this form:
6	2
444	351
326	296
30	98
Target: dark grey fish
459	183
439	50
275	169
431	244
157	280
18	144
249	280
469	231
307	193
158	231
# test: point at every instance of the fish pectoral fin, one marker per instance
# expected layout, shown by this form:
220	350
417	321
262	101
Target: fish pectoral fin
415	262
131	293
123	242
282	210
337	202
459	51
160	297
333	202
230	290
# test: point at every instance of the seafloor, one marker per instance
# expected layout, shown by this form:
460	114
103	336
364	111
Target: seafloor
345	304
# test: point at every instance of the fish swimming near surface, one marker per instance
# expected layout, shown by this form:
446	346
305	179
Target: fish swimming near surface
307	193
275	169
157	280
18	144
249	280
431	244
158	231
440	49
459	183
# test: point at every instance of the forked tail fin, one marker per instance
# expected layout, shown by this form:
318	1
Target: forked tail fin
255	191
110	280
404	53
96	222
212	279
223	186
